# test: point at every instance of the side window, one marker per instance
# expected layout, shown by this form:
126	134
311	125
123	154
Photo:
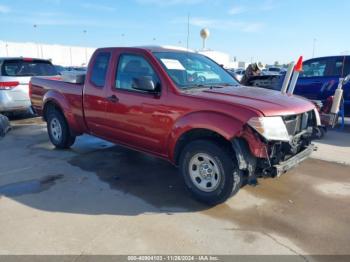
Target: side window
99	70
131	68
338	66
332	66
314	68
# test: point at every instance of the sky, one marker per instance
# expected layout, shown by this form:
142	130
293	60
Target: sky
259	30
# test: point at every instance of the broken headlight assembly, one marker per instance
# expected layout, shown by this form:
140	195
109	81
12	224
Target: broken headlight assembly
271	128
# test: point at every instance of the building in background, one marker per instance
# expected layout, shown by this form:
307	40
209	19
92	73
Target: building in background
58	54
80	56
223	59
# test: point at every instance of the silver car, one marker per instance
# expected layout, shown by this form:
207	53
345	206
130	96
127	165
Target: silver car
239	73
15	74
272	71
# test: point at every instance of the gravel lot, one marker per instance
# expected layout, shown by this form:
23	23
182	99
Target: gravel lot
98	198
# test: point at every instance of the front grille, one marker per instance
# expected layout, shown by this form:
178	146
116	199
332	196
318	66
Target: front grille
298	123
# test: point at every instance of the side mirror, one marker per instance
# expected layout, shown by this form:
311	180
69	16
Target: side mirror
346	79
144	83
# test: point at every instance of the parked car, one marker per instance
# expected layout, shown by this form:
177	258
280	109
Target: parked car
273	71
60	69
15	74
201	72
320	78
76	69
149	99
237	73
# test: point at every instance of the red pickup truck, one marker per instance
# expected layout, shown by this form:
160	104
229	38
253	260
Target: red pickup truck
183	107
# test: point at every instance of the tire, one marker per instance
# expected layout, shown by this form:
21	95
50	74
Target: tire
58	130
320	132
210	172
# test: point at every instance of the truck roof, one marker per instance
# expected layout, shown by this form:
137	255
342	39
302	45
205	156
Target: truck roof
166	48
155	48
331	56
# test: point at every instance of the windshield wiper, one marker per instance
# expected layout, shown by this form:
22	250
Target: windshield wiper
220	85
197	86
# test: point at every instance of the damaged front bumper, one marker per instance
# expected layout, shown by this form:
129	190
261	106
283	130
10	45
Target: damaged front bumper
284	166
257	158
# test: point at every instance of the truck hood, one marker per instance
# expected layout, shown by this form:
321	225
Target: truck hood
267	102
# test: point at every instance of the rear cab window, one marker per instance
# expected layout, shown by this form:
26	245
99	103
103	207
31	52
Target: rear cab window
27	67
99	69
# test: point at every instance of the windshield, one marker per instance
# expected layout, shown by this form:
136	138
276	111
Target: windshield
189	70
19	67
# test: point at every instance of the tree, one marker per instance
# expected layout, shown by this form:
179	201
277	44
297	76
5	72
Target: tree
276	63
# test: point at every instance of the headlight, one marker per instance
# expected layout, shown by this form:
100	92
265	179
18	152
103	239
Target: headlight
272	128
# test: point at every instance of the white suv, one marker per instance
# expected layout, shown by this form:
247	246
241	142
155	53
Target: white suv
15	74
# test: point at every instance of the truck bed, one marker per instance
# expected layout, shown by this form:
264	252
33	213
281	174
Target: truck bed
63	94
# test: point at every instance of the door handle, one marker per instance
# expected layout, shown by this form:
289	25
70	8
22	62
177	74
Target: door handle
113	99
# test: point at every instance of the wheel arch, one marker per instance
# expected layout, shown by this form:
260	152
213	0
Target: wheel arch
205	124
198	134
56	100
51	104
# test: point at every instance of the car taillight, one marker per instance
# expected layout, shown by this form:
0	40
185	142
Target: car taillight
8	85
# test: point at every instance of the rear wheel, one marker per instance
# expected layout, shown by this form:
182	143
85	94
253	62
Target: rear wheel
209	171
58	130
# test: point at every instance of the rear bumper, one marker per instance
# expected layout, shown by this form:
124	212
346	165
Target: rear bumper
10	101
284	166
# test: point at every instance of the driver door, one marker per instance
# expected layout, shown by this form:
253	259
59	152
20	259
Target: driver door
135	117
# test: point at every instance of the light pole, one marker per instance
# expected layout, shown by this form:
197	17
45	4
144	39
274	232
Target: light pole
314	47
7	50
70	54
35	26
122	39
86	59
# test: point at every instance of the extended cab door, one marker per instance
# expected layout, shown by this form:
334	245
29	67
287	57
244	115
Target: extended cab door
320	77
137	118
94	93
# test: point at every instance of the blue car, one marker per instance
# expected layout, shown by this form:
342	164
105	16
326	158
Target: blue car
320	78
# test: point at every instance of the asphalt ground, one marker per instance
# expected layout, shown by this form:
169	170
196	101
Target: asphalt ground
100	198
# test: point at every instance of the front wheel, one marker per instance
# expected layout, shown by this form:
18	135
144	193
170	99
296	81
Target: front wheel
58	130
209	171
